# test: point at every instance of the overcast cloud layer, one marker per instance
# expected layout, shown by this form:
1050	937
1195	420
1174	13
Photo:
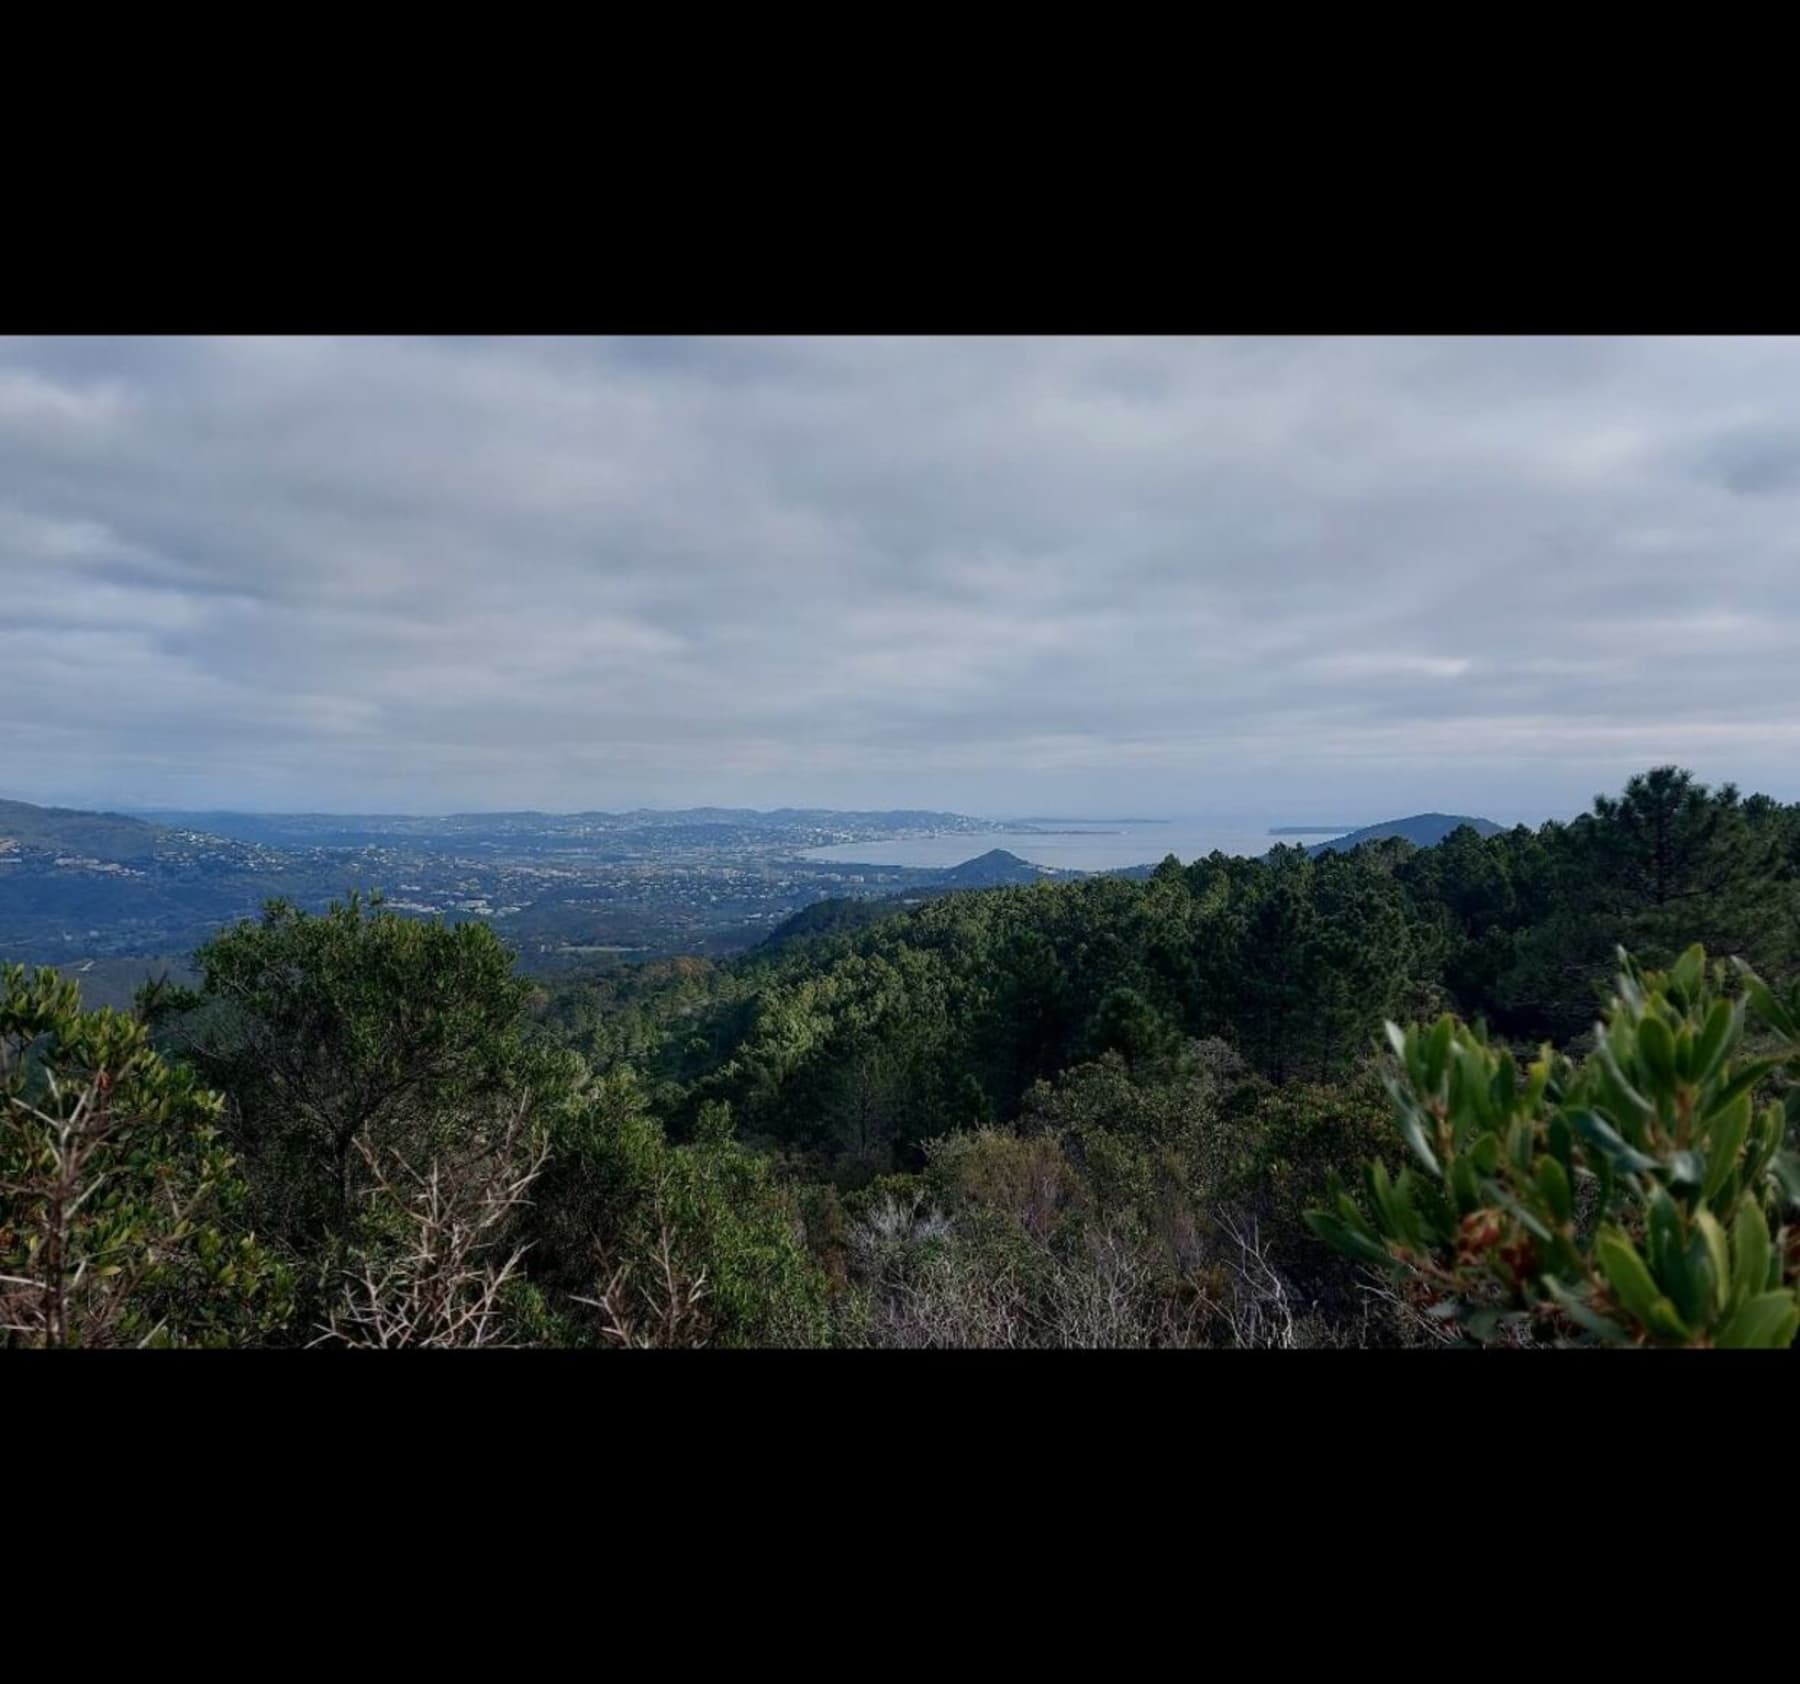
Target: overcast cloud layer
1287	580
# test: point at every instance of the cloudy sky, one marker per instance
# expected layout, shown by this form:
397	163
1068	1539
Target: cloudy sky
1335	579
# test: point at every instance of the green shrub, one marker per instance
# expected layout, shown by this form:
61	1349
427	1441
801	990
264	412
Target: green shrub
353	1032
639	1241
118	1199
1642	1196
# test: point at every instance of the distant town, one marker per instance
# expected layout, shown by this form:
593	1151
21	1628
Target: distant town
561	889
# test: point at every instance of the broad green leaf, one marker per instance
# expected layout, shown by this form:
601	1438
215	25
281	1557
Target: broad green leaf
1768	1007
1728	1133
1553	1184
1656	1047
1586	1316
1627	1275
1666	1256
1697	1298
1719	1253
1475	1084
1412	1131
1354	1219
1767	1322
1787	1175
1341	1237
1404	1186
1505	1083
1750	1252
1562	1144
1537	1078
1437	1051
1519	1143
1606	1140
1381	1195
1723	1024
1627	1096
1689	971
1743	1079
1666	1320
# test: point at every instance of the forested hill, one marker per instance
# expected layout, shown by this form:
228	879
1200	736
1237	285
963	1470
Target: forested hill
993	870
100	836
885	1028
1122	1064
1423	830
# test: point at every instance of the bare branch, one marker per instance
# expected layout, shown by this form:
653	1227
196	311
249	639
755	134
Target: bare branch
443	1287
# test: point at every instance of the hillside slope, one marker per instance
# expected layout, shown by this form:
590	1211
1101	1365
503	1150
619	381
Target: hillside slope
99	836
1425	830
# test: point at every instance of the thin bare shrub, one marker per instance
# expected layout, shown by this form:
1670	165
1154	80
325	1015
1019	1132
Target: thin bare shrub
1256	1307
444	1283
654	1301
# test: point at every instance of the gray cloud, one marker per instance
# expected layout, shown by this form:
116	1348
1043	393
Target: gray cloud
1265	577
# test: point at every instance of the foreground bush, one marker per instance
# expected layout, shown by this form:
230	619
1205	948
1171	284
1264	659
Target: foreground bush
1124	1211
357	1050
637	1241
116	1191
1640	1197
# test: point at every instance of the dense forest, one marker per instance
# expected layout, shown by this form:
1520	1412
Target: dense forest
1104	1112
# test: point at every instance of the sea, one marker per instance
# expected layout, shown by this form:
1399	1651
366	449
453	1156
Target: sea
1100	847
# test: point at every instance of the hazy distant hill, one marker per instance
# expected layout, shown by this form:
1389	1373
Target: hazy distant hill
1425	830
98	836
994	868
